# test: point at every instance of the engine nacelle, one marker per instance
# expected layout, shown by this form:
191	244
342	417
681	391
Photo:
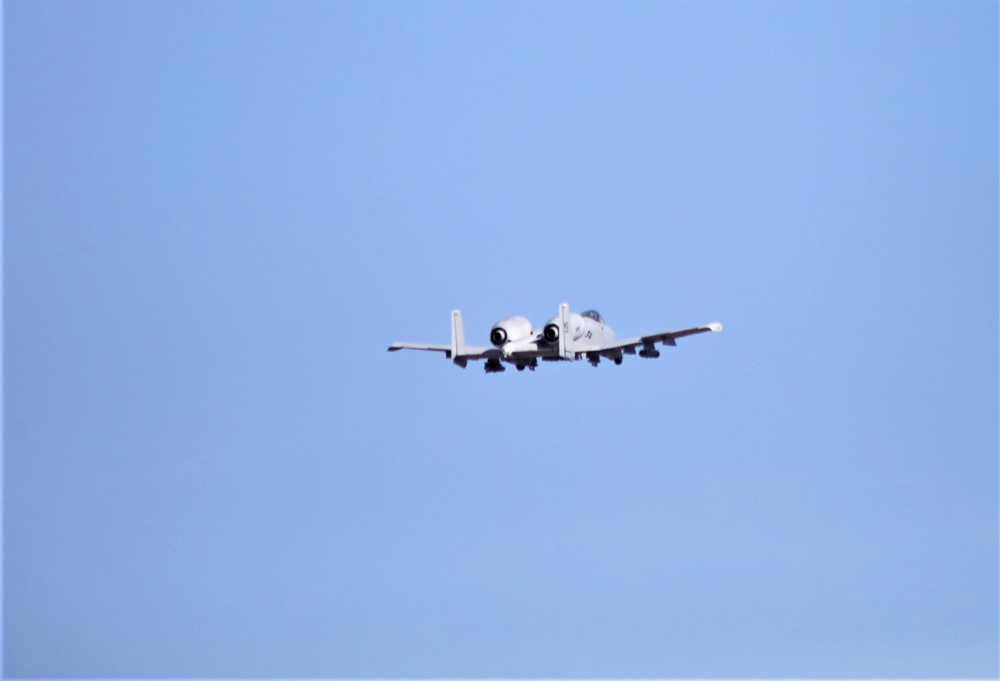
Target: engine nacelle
510	330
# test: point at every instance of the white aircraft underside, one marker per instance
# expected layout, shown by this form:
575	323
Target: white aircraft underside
567	336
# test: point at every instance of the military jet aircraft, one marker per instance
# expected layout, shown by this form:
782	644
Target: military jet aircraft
567	336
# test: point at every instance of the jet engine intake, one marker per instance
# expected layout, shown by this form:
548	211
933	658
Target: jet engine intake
510	330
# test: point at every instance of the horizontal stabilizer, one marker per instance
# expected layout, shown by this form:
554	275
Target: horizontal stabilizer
419	346
471	351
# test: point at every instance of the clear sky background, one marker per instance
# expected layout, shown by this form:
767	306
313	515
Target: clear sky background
218	216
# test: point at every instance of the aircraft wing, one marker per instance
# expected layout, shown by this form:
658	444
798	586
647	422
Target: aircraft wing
629	345
471	352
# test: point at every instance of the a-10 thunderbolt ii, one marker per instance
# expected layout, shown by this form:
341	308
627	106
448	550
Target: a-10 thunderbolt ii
567	336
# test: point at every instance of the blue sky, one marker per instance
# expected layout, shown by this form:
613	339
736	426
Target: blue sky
217	216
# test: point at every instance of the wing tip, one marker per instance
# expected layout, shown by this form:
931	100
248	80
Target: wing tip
715	326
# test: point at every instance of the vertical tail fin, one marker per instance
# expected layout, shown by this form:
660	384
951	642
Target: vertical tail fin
458	339
565	339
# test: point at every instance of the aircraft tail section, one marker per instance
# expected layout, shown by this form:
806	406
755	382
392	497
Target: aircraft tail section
458	339
565	336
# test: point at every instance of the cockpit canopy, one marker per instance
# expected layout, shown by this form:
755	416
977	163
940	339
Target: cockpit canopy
593	314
